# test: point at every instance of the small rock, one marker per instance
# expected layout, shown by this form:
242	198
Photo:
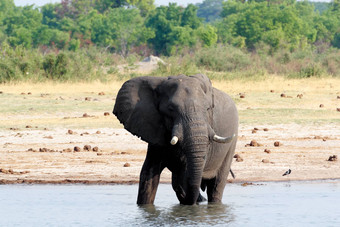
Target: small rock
86	115
98	132
99	154
127	165
5	171
265	160
299	96
277	144
272	91
266	129
87	98
246	184
95	149
106	114
237	156
29	93
239	159
283	95
321	105
67	150
87	147
338	97
101	93
242	96
44	149
70	132
253	131
253	143
24	172
333	158
256	129
77	149
338	109
28	126
267	151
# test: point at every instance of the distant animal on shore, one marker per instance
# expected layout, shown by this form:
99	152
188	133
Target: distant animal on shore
287	172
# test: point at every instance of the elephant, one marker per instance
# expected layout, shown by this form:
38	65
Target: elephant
191	128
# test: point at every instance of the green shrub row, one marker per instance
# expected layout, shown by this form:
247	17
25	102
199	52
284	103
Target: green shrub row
219	62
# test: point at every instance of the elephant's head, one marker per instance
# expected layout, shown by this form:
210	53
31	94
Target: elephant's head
175	113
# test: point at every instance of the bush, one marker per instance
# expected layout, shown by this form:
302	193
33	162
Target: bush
7	72
223	59
55	66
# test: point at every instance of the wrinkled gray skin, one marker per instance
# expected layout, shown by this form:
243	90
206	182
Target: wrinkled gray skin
156	109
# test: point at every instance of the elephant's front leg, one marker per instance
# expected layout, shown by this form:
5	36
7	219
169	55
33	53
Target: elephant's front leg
149	177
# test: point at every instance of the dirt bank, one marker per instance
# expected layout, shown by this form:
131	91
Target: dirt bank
105	155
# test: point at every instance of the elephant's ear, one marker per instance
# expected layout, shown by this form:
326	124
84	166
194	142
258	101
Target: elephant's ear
137	109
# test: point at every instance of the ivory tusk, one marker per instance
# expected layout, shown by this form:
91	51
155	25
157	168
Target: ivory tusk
221	139
174	140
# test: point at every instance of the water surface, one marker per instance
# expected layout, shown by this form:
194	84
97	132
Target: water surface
267	204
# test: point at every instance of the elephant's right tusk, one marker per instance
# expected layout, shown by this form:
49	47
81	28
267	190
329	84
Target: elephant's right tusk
221	139
174	140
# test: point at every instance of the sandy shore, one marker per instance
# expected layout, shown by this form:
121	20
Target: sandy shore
49	156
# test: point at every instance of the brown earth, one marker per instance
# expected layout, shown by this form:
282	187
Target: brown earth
43	156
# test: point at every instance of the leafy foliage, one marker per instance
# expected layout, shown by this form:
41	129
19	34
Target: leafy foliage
66	38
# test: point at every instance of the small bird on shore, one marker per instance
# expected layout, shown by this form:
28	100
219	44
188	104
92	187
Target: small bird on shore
287	172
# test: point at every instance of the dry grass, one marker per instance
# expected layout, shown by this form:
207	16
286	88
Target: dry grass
65	103
62	88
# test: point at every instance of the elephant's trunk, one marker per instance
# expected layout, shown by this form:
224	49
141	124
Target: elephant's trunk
195	147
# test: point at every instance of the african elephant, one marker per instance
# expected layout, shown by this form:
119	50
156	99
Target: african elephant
183	119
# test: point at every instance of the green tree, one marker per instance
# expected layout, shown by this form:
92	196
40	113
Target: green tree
145	6
121	29
210	10
21	25
274	23
175	28
207	34
189	17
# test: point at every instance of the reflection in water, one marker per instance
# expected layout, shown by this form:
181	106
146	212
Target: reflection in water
203	214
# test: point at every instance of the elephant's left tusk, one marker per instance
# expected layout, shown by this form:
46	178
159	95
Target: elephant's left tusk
174	140
221	139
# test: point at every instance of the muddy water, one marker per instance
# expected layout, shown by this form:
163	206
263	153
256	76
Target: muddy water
267	204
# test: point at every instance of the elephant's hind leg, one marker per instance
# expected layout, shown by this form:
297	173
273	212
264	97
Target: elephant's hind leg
149	177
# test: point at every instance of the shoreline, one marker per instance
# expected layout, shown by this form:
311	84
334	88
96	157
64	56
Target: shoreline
134	182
